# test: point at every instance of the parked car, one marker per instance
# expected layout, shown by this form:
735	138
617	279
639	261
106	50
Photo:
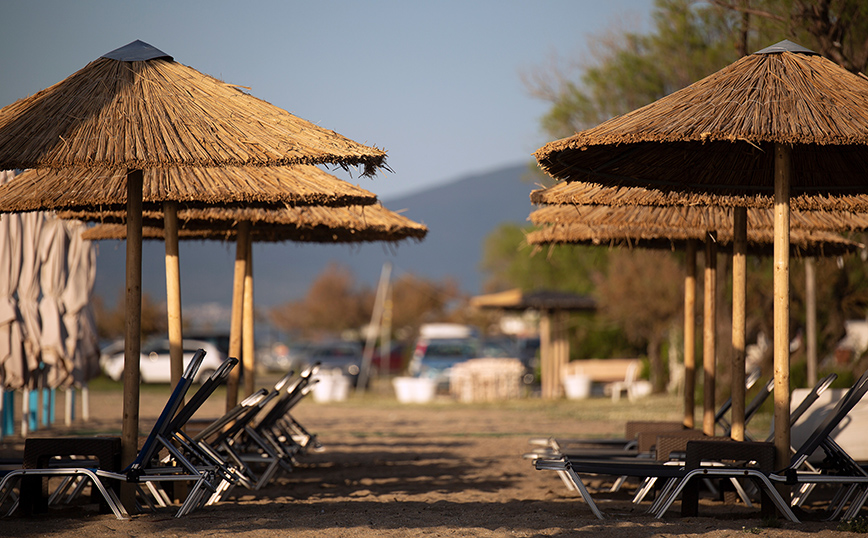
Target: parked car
280	357
154	363
434	357
523	349
391	363
340	355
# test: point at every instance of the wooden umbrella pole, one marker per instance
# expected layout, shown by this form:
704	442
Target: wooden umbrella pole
782	304
562	354
739	294
690	334
709	333
545	335
811	319
248	340
132	331
241	241
173	291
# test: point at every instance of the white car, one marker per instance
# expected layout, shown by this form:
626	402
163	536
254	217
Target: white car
154	364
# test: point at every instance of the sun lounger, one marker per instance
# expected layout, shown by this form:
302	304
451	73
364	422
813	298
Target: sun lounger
706	459
146	469
554	446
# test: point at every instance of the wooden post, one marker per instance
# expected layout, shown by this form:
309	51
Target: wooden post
132	331
709	333
173	292
690	334
248	339
545	348
782	305
739	294
241	240
380	300
811	319
561	352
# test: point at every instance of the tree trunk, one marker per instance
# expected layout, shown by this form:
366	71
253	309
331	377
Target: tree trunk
658	374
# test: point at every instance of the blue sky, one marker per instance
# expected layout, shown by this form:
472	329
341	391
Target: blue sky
435	84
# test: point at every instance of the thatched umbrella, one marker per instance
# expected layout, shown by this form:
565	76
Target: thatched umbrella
136	109
303	224
591	193
308	224
558	225
839	214
778	122
802	242
166	189
705	218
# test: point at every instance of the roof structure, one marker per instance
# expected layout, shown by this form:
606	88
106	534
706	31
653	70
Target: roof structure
137	108
716	136
102	189
516	299
306	224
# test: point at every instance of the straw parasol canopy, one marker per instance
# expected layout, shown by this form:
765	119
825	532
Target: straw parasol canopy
585	192
781	122
696	218
102	189
802	242
137	108
717	135
307	224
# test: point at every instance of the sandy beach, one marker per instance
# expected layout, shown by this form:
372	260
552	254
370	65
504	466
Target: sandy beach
443	469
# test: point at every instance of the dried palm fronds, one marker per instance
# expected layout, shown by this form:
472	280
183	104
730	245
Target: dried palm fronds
308	224
104	189
154	113
802	243
717	135
582	193
701	218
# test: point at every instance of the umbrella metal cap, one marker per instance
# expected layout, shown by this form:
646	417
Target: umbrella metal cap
137	51
785	46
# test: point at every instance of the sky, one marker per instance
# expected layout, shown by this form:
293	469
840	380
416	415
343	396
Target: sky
438	85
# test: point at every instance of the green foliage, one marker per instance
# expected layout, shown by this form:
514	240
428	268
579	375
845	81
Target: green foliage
510	263
631	70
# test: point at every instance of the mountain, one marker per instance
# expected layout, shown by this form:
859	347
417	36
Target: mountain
459	215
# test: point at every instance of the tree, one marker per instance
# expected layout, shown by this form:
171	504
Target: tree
333	304
642	291
110	322
629	70
416	300
336	303
837	29
509	262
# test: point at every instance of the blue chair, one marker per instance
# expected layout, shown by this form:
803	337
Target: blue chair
146	469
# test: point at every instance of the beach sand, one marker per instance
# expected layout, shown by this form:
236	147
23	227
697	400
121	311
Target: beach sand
444	469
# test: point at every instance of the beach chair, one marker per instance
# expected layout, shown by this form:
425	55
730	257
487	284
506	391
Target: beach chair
172	441
279	428
272	442
146	469
677	453
551	447
704	459
230	437
231	472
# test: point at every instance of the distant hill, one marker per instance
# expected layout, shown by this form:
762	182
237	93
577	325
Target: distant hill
459	215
